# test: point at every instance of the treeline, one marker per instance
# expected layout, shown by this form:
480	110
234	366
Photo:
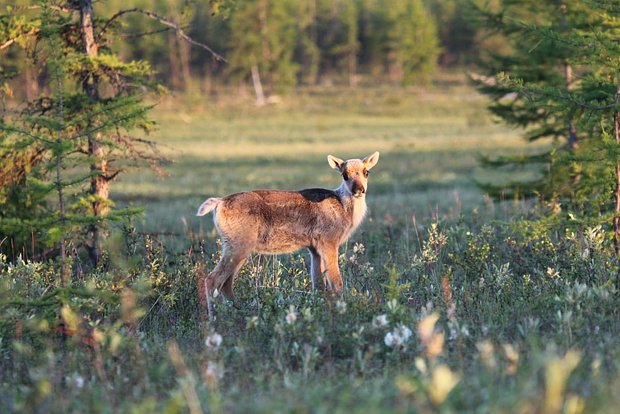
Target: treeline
282	43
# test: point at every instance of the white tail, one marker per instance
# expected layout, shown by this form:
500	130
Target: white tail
270	221
208	206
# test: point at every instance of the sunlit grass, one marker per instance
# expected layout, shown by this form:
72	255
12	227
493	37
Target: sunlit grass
450	303
429	143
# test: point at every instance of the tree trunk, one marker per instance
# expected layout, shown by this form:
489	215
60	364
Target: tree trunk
258	87
173	58
99	186
265	49
64	279
31	80
573	140
617	190
184	54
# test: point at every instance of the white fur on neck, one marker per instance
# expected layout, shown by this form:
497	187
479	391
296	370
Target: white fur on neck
355	206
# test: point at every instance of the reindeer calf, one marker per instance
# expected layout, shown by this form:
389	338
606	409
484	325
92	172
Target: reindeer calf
270	221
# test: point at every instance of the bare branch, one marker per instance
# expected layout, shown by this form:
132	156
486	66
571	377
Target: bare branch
9	42
113	175
134	35
166	22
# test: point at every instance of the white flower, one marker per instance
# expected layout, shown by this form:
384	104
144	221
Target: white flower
358	248
213	341
403	331
79	381
341	306
398	337
380	321
389	339
291	316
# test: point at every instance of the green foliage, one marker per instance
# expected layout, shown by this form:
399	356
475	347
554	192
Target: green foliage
490	337
264	35
559	82
50	149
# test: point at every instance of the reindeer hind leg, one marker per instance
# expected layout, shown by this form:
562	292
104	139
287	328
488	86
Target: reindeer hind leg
224	273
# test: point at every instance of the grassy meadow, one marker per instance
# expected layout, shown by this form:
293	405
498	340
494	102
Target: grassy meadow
449	304
429	144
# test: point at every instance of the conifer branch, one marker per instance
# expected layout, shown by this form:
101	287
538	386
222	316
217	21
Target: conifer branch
166	22
26	133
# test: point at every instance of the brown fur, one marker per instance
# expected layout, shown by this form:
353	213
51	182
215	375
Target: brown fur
272	221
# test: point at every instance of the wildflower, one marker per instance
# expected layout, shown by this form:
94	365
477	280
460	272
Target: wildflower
291	316
398	337
358	248
79	381
392	340
403	331
380	321
213	341
341	307
252	322
552	273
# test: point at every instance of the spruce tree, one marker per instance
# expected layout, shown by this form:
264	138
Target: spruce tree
581	97
537	61
83	132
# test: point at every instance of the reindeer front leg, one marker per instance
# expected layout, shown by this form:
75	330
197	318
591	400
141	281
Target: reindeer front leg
333	272
317	269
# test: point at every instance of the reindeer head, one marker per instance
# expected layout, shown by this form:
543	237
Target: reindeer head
354	172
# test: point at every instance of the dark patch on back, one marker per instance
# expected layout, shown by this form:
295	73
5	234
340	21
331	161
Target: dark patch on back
316	195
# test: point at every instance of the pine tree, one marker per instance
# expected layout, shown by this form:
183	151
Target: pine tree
79	130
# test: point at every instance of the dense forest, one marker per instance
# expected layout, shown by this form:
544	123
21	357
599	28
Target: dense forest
287	42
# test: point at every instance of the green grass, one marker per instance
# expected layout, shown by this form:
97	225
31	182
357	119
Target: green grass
525	315
429	143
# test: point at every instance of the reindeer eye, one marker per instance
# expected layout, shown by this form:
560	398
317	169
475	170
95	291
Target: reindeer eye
345	176
366	173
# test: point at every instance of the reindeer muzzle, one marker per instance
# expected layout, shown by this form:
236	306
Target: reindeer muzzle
358	189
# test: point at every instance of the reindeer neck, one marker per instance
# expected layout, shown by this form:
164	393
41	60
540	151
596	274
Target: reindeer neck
354	206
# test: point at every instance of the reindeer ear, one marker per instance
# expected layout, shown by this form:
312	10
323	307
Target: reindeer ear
334	162
371	160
